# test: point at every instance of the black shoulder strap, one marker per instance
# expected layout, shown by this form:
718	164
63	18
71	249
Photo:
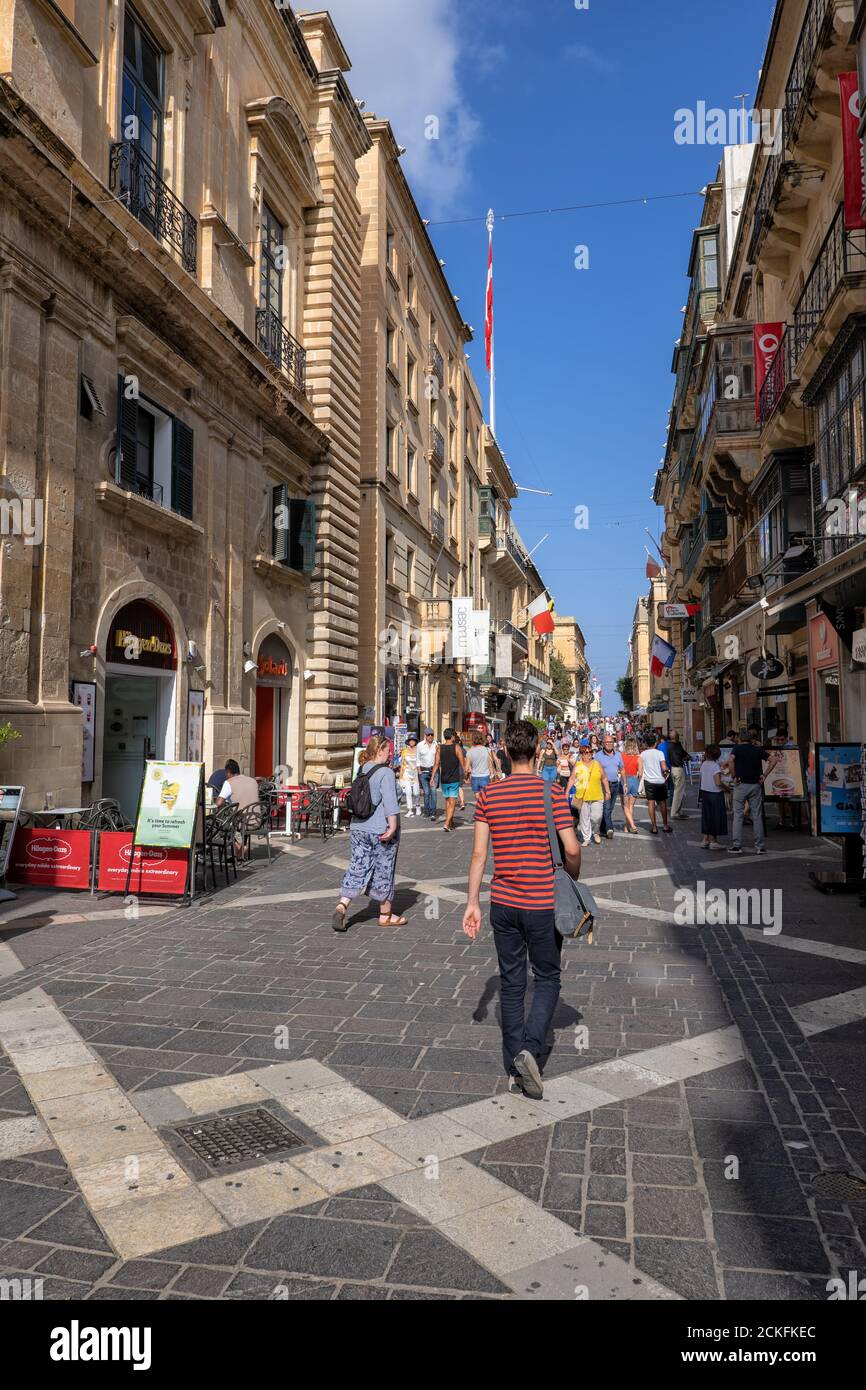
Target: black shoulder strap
555	852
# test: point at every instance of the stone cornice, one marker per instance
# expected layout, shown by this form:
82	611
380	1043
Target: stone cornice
138	343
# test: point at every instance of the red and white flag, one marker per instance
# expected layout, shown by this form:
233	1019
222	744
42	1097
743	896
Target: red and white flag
488	314
662	655
541	613
852	151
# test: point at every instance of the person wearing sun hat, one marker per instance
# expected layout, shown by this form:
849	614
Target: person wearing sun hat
409	777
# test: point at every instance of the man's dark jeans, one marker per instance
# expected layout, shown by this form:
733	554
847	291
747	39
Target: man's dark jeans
517	931
425	776
610	807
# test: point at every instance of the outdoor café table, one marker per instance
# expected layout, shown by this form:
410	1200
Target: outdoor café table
59	817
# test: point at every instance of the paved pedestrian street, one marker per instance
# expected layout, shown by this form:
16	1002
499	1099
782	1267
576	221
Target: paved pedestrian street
702	1079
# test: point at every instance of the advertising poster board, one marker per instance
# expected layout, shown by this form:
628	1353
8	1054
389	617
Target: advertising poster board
46	858
169	799
146	870
838	788
194	725
785	782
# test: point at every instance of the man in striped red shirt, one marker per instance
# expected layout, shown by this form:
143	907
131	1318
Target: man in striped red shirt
510	816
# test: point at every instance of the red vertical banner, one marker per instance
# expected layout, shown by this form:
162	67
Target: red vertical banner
768	336
852	151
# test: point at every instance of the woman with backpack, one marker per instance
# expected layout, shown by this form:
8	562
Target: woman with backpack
374	836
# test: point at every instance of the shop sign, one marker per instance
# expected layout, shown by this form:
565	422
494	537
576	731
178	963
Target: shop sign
50	858
153	870
140	634
823	642
767	668
858	645
785	780
768	336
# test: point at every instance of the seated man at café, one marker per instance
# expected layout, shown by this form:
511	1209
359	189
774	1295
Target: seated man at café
237	788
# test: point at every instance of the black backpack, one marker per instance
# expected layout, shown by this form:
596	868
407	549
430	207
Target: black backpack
359	799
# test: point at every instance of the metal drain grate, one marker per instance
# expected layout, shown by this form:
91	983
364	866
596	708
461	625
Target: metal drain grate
233	1139
844	1187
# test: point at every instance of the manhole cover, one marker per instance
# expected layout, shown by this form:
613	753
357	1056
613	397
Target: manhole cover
233	1139
844	1187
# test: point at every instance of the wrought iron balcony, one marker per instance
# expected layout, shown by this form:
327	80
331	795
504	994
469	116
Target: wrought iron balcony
842	253
437	446
135	180
437	526
712	528
518	638
817	21
733	580
284	351
705	647
506	545
142	486
780	374
436	363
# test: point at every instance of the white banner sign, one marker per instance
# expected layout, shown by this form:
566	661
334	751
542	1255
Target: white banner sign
461	614
479	637
503	655
858	645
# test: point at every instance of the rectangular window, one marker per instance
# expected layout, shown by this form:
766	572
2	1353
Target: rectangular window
391	450
294	530
412	471
411	289
391	251
410	570
411	378
452	519
142	91
391	347
389	558
272	264
154	454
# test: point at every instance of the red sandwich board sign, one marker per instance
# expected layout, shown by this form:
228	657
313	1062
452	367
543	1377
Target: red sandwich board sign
46	858
147	870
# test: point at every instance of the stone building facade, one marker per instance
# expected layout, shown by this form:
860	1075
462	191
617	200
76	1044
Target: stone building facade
180	341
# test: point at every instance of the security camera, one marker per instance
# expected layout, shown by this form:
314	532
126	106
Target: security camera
401	149
191	650
308	675
249	666
89	651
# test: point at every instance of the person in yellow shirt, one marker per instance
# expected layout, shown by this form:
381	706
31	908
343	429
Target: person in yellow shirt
587	789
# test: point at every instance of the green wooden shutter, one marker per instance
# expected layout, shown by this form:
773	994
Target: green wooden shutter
181	468
303	535
126	462
281	523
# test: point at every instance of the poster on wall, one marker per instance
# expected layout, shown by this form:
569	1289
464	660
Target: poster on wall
169	800
84	696
838	788
194	725
785	782
10	806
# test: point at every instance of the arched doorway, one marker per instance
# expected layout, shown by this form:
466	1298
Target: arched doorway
140	698
273	704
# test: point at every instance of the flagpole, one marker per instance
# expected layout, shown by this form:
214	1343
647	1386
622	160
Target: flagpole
490	222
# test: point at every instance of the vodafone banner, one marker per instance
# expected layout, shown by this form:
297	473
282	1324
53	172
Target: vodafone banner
852	152
50	858
156	870
768	336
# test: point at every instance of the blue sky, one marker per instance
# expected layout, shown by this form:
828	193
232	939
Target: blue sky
543	105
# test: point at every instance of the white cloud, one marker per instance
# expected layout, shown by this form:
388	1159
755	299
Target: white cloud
405	56
582	53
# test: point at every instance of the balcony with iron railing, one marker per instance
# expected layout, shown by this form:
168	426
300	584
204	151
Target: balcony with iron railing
142	485
732	585
135	181
712	529
437	446
436	362
437	526
509	552
768	191
277	343
842	254
519	638
817	27
705	647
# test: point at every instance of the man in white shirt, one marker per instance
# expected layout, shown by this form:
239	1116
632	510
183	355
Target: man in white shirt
426	760
238	789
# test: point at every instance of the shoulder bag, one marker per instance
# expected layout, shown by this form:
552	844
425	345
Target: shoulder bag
576	908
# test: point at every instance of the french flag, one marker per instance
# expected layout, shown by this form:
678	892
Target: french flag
662	655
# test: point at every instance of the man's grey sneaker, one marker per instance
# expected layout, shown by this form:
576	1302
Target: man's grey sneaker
533	1086
609	834
735	849
759	851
